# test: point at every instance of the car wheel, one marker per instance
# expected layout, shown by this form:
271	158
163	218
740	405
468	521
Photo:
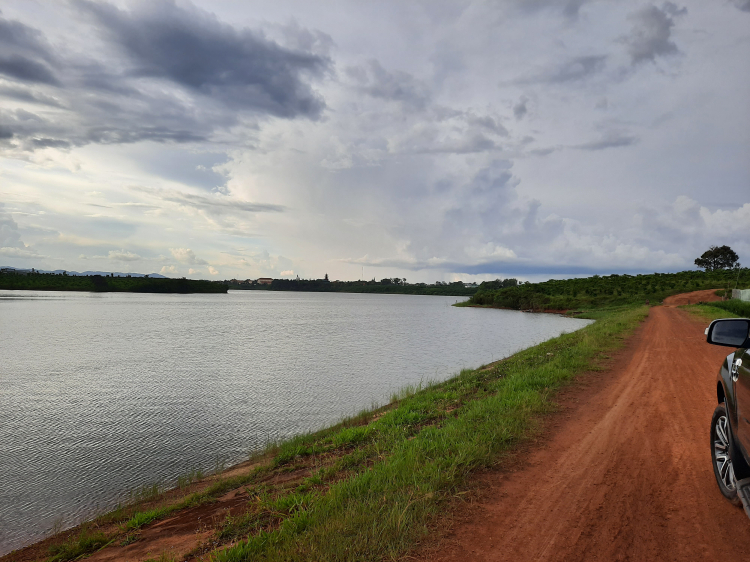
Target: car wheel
720	454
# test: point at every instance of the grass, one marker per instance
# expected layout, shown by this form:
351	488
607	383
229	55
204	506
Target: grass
85	542
719	309
374	485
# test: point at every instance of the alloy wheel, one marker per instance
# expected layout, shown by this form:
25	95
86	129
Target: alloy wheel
721	453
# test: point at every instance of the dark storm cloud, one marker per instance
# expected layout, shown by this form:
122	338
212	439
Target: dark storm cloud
24	54
651	35
25	69
164	73
193	49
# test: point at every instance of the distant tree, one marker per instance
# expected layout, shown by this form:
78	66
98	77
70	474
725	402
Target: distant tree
716	258
326	278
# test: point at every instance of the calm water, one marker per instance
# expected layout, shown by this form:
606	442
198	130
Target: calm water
103	393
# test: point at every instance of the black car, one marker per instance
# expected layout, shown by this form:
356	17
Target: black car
730	425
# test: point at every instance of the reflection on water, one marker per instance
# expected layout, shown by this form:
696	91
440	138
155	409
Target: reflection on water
103	393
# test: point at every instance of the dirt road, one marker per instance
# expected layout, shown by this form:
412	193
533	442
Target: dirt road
626	474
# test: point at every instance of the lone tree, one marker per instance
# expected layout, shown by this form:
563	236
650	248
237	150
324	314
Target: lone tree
717	257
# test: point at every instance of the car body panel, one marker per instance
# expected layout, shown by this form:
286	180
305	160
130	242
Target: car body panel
741	378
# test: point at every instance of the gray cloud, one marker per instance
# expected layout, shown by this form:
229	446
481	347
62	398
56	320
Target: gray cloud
575	69
651	35
569	8
399	86
24	69
164	73
24	54
578	69
743	5
27	95
217	204
520	109
192	48
9	235
610	140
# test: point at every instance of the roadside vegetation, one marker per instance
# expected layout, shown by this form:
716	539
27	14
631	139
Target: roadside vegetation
610	290
101	284
720	309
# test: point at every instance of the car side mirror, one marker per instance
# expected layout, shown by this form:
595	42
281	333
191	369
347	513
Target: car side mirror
731	332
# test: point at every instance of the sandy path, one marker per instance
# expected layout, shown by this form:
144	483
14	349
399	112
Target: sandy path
626	475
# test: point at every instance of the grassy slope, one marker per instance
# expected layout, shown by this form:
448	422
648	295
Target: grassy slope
721	309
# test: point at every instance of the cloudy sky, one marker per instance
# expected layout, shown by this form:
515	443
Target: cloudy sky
424	139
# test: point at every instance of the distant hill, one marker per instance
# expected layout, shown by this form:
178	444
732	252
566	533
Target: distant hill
87	273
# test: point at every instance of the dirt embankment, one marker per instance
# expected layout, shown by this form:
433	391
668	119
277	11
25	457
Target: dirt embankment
626	472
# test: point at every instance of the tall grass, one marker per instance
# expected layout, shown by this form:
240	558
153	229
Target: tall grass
735	306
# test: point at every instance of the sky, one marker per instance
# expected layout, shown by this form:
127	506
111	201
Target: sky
427	140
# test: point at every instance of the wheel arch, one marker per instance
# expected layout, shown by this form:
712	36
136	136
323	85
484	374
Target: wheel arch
720	394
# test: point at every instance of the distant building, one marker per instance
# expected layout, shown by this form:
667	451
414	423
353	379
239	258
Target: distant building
743	295
471	285
265	281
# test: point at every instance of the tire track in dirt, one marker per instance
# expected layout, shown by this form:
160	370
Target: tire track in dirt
627	475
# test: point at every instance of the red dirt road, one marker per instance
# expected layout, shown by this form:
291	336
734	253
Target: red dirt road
626	473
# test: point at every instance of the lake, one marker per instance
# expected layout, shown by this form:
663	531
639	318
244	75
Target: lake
102	393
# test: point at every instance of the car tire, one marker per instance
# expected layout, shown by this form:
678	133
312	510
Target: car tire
721	454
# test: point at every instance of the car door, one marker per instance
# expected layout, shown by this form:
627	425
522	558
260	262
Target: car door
741	377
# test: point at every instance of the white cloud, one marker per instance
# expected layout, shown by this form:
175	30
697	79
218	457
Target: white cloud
287	273
168	270
123	255
192	271
187	256
212	270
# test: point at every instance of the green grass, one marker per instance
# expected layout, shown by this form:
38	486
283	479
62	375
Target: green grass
394	476
84	543
719	309
736	307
